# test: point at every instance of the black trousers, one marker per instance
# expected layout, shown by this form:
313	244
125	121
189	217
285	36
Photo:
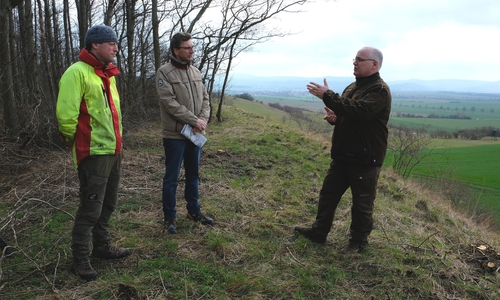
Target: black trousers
99	180
363	183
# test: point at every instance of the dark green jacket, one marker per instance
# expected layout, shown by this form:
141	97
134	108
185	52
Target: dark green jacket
360	133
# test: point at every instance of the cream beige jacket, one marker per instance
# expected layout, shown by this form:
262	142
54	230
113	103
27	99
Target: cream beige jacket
182	97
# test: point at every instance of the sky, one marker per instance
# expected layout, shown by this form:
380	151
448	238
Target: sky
420	39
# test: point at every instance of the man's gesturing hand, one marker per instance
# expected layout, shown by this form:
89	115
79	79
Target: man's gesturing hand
317	89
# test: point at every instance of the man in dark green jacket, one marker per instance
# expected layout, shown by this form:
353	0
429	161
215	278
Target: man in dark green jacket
359	145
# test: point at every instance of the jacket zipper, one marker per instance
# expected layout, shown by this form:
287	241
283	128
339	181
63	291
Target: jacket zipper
105	97
192	94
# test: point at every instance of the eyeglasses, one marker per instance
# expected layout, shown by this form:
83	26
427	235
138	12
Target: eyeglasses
359	59
187	48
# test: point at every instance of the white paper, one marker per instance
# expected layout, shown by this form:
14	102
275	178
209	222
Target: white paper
197	138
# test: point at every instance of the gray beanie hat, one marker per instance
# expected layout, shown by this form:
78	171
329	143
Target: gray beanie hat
99	34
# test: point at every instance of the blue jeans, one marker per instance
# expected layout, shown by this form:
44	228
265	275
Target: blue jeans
175	152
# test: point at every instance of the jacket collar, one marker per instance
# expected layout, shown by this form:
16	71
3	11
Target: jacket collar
183	65
360	81
100	68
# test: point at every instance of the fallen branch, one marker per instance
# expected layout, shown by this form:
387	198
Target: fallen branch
294	258
52	206
163	284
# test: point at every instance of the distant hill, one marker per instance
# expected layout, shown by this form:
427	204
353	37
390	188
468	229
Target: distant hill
250	83
452	85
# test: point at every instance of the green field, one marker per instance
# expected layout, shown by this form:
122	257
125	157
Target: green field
478	165
450	125
481	113
475	163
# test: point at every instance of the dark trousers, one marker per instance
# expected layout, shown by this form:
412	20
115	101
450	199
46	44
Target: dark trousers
177	152
363	183
99	177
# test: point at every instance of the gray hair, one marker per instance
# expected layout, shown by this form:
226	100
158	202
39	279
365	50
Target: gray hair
377	55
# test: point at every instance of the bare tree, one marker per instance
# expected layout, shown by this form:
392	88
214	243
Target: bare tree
156	35
409	147
6	77
241	27
68	50
42	40
130	19
83	13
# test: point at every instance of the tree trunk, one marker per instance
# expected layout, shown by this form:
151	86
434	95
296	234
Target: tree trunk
130	92
45	51
6	82
226	78
108	14
83	13
156	35
28	53
68	53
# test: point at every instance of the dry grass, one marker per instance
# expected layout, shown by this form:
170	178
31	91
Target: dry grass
259	180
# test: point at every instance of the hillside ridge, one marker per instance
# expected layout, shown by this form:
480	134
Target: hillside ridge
259	179
251	83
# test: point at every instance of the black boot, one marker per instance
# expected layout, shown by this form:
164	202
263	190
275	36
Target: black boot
311	235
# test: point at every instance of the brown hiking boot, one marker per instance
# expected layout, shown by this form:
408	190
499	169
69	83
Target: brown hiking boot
200	218
107	251
83	268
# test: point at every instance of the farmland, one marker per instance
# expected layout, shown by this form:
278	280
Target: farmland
475	163
412	108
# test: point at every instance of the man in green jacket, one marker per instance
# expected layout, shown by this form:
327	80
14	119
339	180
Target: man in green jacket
359	145
89	117
183	101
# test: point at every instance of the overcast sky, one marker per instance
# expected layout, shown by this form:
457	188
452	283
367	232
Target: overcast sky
420	39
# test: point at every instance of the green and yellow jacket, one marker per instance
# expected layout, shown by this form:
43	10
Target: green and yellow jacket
88	108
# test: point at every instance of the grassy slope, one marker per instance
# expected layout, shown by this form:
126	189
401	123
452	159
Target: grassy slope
453	162
259	179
